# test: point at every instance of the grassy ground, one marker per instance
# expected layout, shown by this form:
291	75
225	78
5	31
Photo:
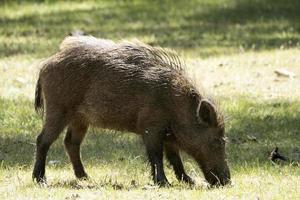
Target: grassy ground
232	47
197	27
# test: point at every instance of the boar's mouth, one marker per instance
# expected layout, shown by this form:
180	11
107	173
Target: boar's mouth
217	177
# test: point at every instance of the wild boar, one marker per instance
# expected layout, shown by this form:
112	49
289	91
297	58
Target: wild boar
132	87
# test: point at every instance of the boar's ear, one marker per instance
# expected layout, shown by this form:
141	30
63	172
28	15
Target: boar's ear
206	112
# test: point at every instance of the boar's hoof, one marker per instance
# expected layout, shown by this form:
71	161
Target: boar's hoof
39	179
38	176
163	183
187	180
82	176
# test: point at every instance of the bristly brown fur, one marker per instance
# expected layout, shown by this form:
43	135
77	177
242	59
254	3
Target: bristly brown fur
167	58
133	87
134	56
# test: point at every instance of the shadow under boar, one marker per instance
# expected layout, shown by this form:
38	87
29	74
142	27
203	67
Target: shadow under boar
128	86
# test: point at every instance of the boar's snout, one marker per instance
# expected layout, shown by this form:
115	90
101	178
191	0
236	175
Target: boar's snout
217	177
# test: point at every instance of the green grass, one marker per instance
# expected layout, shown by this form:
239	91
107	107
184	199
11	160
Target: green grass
198	27
115	160
231	46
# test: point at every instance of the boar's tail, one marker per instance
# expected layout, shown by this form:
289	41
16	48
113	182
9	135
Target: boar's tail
38	100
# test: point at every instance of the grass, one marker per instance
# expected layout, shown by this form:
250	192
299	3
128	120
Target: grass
198	27
232	47
115	161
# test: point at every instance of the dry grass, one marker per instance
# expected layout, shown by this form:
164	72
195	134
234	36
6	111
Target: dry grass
257	105
231	47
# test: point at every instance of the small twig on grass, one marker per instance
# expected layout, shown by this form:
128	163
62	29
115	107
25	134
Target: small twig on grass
26	142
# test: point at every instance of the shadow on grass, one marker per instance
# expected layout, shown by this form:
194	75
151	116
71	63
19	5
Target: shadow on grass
210	27
271	123
256	128
20	127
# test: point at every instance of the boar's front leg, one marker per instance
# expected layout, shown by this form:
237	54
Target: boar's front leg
154	147
150	126
173	156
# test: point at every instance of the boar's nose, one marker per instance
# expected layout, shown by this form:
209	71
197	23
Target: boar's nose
218	177
226	177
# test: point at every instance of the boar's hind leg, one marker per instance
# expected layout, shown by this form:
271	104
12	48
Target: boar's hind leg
174	159
154	148
75	134
54	125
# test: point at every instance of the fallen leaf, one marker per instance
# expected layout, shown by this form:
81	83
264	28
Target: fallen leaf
282	72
